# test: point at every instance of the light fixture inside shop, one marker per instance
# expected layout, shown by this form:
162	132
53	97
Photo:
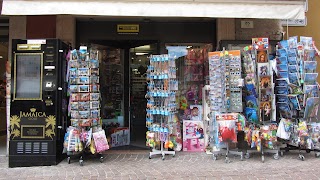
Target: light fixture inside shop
140	54
1	57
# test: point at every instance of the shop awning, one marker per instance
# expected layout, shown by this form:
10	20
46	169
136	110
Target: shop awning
267	9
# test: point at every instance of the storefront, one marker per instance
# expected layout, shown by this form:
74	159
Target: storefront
126	33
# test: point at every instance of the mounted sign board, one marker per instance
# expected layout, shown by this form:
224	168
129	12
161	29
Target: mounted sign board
294	22
128	28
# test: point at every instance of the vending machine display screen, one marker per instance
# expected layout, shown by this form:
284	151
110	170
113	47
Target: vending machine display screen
28	73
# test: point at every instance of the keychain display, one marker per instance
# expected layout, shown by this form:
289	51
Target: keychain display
161	105
85	131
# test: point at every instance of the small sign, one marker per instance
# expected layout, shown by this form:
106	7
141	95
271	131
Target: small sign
36	41
294	22
128	28
32	131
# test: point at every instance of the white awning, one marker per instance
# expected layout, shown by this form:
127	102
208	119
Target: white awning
266	9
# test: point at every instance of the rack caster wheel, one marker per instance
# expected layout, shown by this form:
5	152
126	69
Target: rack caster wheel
81	162
301	157
214	157
317	154
247	155
101	159
281	153
163	158
262	159
68	160
241	158
308	150
149	156
173	155
276	156
227	160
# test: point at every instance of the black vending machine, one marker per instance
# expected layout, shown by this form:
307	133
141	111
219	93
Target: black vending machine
38	112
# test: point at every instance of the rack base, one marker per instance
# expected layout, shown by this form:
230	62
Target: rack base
163	153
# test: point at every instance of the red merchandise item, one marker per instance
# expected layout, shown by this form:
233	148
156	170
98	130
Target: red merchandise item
228	134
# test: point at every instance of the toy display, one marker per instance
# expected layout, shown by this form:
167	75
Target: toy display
85	131
193	136
225	99
161	105
298	94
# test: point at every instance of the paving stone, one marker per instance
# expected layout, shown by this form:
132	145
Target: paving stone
183	166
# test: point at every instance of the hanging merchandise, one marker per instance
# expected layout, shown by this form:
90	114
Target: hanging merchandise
225	100
85	132
260	130
161	105
298	94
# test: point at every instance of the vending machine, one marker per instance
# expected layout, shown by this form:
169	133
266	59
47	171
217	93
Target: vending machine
38	112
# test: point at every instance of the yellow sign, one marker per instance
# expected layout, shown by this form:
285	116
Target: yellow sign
32	114
128	28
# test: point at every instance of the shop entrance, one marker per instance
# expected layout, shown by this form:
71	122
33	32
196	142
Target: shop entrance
123	66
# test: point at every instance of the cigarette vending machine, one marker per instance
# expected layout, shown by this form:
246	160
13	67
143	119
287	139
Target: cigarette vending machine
38	112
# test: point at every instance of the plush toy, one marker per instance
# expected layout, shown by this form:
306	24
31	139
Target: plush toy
183	103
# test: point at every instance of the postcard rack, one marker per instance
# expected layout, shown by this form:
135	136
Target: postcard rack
298	95
85	133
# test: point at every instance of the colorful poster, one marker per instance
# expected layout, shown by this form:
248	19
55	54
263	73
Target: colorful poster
193	136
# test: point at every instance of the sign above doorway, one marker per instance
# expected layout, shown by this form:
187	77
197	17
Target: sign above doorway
128	28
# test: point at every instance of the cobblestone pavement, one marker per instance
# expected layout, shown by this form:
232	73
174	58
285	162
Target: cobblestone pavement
137	165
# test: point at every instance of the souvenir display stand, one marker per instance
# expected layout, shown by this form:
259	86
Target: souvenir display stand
225	101
161	104
85	133
298	95
259	100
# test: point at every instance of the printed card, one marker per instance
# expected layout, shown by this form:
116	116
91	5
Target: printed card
310	66
282	98
83	72
83	106
293	68
265	82
83	80
84	114
74	97
84	96
94	63
282	90
266	95
83	88
294	102
265	111
94	104
94	71
73	88
282	60
260	43
74	105
94	96
263	69
282	67
262	56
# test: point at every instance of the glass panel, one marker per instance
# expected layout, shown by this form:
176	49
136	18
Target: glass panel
28	76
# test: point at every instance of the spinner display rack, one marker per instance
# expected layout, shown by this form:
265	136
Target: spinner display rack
260	107
298	95
85	133
161	104
225	101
